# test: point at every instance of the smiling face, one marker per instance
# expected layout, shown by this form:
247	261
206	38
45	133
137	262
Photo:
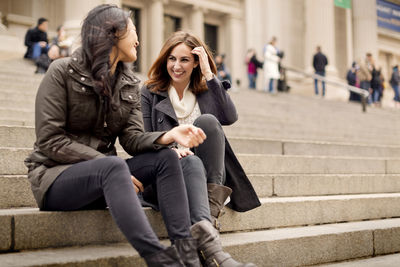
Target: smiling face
180	65
127	44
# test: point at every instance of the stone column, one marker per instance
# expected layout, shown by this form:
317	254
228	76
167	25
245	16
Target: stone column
365	35
254	35
197	21
349	38
237	49
156	36
75	12
320	31
113	2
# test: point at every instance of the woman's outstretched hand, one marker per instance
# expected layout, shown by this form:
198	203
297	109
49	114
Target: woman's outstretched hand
182	152
137	184
203	61
186	135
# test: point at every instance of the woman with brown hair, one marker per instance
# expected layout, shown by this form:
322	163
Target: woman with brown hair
84	103
183	89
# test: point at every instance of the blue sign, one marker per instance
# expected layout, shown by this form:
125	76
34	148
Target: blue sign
388	15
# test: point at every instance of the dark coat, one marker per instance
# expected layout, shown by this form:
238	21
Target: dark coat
319	62
159	115
71	125
395	79
33	36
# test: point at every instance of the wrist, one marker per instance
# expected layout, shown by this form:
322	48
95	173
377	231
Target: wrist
209	75
166	138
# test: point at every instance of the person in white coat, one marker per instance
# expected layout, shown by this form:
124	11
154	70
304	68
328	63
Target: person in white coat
271	68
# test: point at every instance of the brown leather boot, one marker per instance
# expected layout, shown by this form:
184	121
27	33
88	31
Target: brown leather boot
187	249
217	194
210	248
168	257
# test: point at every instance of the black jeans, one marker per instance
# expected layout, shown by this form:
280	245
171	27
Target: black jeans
107	182
212	150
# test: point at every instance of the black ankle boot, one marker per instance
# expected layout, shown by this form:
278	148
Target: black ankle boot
168	257
217	194
210	248
187	250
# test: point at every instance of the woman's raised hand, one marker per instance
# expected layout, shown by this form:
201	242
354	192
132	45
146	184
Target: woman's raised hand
185	134
203	61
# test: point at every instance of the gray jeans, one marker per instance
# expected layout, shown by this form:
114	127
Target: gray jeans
196	188
206	166
212	151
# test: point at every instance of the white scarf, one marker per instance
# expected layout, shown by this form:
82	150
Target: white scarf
183	107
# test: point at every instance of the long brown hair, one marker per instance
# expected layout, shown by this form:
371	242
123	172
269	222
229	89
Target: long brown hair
159	79
99	34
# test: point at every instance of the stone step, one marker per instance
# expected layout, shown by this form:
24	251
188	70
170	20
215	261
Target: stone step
23	137
391	260
288	247
14	75
22	122
17	87
298	147
316	134
17	136
15	190
281	130
29	228
25	117
275	164
292	185
12	93
17	114
11	78
314	127
13	159
12	103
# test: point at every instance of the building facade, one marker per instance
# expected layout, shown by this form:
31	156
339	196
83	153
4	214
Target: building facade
231	27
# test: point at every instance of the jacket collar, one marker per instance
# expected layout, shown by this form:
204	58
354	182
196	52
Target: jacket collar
78	69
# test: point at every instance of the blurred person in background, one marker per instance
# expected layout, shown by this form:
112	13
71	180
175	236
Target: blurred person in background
394	82
271	67
36	40
365	74
222	71
252	65
319	63
353	80
60	45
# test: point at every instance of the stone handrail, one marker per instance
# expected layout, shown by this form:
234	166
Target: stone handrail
363	93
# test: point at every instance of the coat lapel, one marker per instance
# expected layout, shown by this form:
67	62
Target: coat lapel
165	106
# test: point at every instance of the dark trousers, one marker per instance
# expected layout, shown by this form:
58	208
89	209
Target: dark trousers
321	73
196	188
212	150
107	182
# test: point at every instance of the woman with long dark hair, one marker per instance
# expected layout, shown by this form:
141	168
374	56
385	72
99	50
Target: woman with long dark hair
83	104
183	89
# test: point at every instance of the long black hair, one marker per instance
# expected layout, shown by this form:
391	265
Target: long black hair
101	30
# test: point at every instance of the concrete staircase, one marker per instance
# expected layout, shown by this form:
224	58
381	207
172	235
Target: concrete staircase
328	177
